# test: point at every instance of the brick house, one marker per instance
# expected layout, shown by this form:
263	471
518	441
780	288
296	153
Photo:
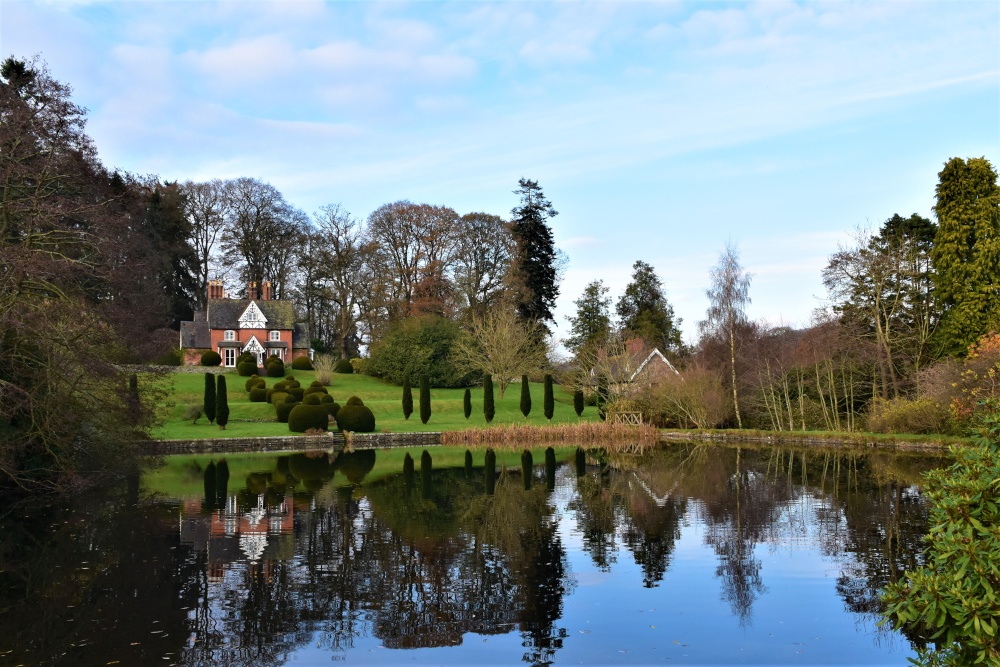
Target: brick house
257	324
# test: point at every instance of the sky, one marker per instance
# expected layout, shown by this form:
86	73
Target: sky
660	131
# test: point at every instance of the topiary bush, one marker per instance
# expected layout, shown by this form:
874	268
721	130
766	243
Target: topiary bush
293	383
297	392
258	395
275	370
284	409
302	363
311	399
316	384
251	382
332	408
276	398
354	400
313	390
356	418
247	368
211	358
304	416
246	356
325	398
343	366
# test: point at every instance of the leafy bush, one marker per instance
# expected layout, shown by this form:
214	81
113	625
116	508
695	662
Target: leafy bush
525	396
332	408
325	398
276	398
356	418
258	395
311	399
297	392
211	358
316	384
343	366
193	413
173	357
275	370
208	397
425	399
415	347
292	383
407	399
251	382
354	400
578	402
304	416
247	368
221	403
902	415
284	409
313	390
953	600
302	363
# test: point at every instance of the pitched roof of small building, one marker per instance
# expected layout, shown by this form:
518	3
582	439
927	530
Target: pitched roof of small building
225	313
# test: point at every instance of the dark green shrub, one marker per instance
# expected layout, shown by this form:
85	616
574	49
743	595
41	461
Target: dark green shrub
332	409
282	411
174	357
313	390
325	398
343	366
211	358
407	399
245	357
258	395
276	397
467	402
302	363
354	400
251	382
356	465
221	404
578	402
425	399
247	368
289	378
304	417
356	418
275	370
549	399
293	383
311	399
297	392
525	396
208	400
489	408
317	384
418	346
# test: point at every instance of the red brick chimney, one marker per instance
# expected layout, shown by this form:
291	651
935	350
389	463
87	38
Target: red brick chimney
215	289
252	291
265	290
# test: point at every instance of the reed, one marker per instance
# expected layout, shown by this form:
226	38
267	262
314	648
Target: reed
612	437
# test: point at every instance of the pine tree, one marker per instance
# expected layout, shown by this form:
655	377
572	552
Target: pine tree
425	399
525	396
591	326
549	400
534	264
221	404
966	252
208	402
643	310
407	399
489	409
467	402
578	402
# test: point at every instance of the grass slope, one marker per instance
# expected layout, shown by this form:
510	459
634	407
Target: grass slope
385	400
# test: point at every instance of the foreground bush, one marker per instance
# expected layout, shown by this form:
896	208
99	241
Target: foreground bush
302	363
954	600
418	346
211	358
921	416
246	368
356	418
275	370
303	417
343	366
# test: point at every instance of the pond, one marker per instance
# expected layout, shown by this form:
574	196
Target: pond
692	554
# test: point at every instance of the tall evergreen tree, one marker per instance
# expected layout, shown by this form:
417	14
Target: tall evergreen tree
549	400
221	404
489	409
425	399
525	396
591	326
467	402
578	402
643	310
534	266
208	402
966	252
407	399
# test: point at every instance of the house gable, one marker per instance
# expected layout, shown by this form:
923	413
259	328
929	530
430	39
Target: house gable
653	356
252	318
253	346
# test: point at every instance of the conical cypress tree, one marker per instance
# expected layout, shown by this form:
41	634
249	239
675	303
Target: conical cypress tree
425	399
525	396
467	402
221	404
578	402
407	399
208	402
489	409
549	401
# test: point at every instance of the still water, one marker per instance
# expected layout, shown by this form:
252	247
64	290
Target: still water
694	554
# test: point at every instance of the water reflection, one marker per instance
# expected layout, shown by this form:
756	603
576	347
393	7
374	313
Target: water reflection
318	553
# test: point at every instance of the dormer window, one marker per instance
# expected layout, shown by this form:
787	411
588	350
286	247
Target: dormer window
275	335
253	318
229	335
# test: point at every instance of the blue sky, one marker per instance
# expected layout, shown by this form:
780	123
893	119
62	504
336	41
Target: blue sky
659	130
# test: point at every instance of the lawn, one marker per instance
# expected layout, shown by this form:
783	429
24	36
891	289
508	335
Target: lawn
248	419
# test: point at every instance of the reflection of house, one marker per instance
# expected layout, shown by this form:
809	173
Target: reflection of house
257	324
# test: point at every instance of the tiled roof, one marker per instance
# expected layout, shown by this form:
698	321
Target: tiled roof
225	313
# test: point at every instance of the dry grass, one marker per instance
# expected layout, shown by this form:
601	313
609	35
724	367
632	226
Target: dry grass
613	437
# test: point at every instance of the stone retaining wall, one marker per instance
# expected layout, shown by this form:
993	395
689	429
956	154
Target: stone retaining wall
284	443
390	440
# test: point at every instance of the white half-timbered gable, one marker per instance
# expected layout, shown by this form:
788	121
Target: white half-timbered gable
253	318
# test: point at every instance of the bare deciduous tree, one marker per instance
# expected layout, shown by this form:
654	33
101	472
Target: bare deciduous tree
502	345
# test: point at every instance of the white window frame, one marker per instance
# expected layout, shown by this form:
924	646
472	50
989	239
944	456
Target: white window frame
274	335
229	355
229	335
